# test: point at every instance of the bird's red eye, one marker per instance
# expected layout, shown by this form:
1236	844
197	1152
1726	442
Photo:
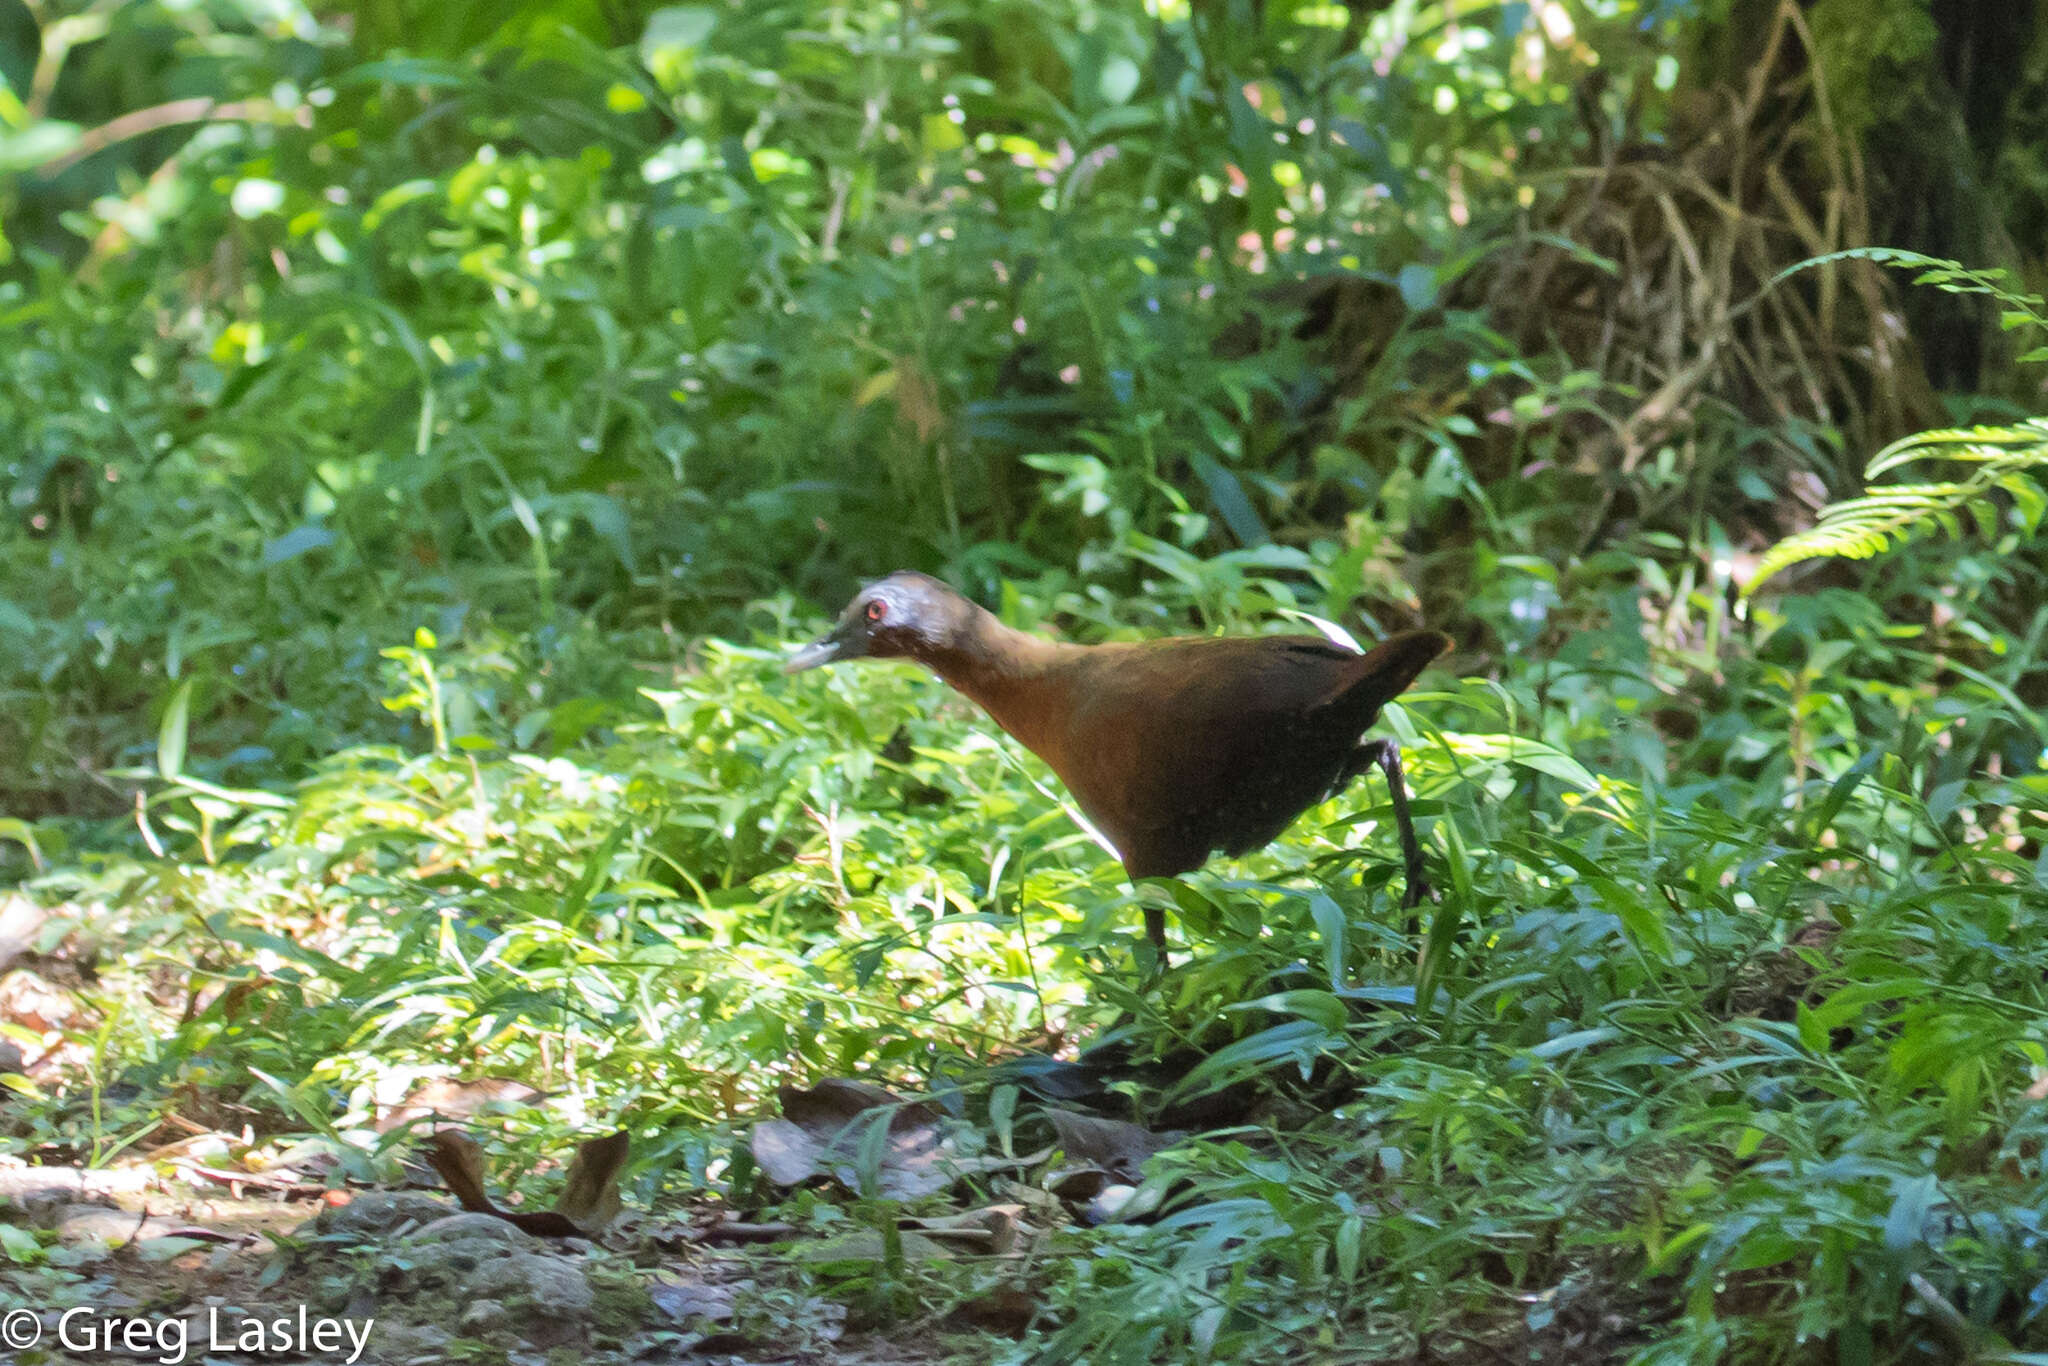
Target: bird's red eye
875	612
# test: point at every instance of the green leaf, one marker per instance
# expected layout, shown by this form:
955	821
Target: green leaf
24	834
1002	1116
1515	749
1119	79
1667	1255
15	621
20	1245
296	542
1576	1041
1911	1205
1417	284
1307	1002
239	796
1227	494
595	868
1297	1041
1641	916
1347	1247
1839	793
1766	1247
1331	928
676	27
37	144
170	736
424	72
1813	1032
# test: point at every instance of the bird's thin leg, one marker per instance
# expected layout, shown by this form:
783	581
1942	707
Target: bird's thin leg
1150	892
1387	755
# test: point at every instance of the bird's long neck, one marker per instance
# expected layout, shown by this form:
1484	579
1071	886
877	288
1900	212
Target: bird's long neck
1010	674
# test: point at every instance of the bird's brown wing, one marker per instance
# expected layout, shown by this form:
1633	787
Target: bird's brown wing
1178	748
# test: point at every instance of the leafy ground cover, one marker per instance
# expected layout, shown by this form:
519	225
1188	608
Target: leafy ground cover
1702	1050
423	468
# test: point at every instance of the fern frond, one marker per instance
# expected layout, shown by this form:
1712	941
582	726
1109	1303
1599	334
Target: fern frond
2005	457
1953	277
2005	460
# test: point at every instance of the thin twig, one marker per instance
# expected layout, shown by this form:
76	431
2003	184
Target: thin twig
195	109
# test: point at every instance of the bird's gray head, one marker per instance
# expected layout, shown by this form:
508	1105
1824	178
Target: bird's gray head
906	615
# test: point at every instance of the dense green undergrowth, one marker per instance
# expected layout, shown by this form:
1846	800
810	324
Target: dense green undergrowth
418	475
1729	1031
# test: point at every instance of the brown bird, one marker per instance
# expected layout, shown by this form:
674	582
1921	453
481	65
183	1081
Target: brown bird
1174	748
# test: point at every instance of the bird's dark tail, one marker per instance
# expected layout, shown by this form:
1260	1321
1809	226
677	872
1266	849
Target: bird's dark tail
1386	670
